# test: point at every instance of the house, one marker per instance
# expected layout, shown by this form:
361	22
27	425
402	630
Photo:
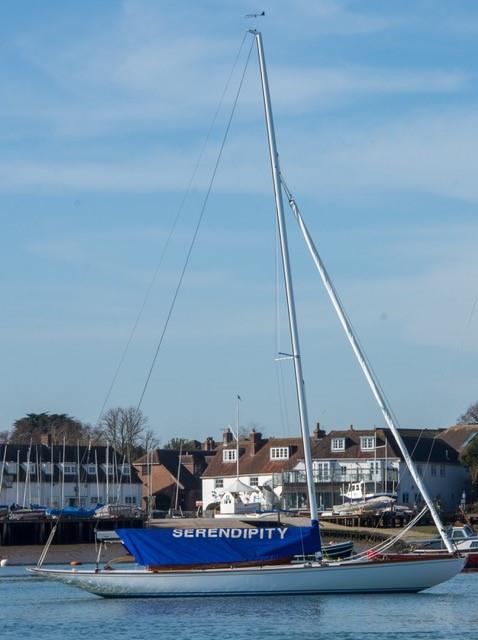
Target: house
262	463
171	479
459	436
339	458
66	475
373	458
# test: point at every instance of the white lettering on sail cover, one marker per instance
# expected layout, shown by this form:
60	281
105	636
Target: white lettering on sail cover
266	533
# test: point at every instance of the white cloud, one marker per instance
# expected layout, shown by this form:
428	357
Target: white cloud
429	153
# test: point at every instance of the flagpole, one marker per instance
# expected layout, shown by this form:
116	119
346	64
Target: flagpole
237	435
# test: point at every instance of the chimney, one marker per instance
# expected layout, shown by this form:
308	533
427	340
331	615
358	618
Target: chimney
318	432
227	436
256	441
209	444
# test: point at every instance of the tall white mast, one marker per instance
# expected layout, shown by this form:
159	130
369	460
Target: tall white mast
360	355
299	381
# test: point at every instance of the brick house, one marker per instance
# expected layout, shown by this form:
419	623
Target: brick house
172	478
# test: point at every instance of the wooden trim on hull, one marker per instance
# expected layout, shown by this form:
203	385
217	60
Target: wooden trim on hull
219	565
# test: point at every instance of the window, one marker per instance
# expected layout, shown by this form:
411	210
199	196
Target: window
47	468
433	469
279	453
375	466
343	470
130	499
125	469
109	469
338	444
405	498
30	467
90	469
254	481
95	499
218	483
69	469
323	471
229	455
419	469
367	443
442	470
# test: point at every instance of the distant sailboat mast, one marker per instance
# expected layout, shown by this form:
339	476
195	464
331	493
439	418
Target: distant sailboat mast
98	497
17	501
3	466
299	380
238	400
27	476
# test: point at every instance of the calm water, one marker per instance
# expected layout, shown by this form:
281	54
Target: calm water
34	608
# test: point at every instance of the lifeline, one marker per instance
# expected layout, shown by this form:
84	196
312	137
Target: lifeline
266	533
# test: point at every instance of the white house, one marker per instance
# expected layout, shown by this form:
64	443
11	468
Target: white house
261	463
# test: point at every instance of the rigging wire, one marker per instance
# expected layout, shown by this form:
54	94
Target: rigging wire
171	231
196	230
349	321
467	325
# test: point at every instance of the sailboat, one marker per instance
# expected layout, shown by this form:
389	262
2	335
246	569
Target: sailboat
267	560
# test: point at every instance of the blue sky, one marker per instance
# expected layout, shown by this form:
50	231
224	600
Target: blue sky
105	107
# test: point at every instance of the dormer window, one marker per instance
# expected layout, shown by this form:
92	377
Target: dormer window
367	443
69	468
338	444
279	453
229	455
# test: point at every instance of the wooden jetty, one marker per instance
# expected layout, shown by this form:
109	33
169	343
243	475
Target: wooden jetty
69	530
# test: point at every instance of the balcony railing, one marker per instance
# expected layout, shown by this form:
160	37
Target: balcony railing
335	477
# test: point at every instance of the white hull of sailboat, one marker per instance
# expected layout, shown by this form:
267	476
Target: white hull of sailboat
364	577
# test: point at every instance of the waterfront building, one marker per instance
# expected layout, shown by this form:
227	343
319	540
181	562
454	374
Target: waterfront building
341	460
171	479
66	475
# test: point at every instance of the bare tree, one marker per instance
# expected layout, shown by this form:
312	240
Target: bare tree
150	441
127	431
470	416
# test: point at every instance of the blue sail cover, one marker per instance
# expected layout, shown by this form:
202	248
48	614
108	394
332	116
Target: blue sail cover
176	547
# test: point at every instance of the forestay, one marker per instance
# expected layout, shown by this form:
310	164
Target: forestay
202	546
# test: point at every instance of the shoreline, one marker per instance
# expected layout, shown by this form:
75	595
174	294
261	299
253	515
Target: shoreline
28	555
